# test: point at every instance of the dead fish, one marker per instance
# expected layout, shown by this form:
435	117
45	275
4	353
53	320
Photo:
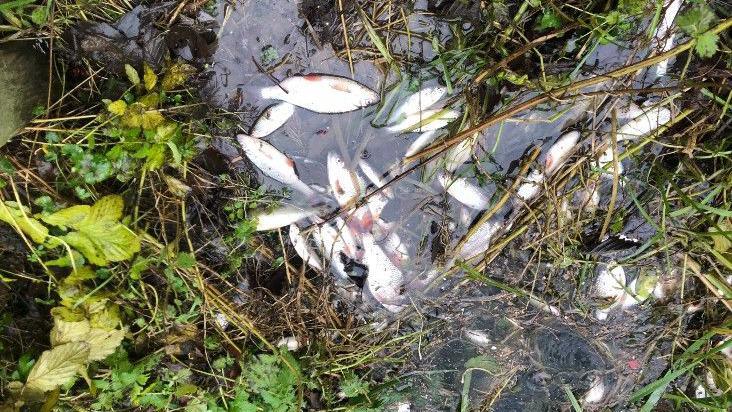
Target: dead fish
605	162
391	242
273	163
651	119
271	119
531	187
371	174
424	121
463	191
480	241
322	93
459	154
384	280
378	201
419	101
560	151
344	183
424	140
281	217
303	249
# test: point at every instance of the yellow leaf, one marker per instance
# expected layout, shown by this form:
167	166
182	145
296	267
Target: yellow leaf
103	343
67	314
99	236
152	119
150	100
149	76
117	107
65	332
19	219
722	241
176	75
58	366
81	274
132	74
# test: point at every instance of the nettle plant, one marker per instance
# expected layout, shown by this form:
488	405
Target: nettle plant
136	131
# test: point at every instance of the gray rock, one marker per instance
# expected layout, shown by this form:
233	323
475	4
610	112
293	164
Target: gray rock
23	85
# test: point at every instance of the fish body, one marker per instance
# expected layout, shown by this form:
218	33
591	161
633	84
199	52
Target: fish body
378	201
560	151
463	191
480	241
281	217
384	280
344	183
610	282
303	249
273	163
650	120
271	119
322	93
424	121
456	156
419	101
422	141
531	186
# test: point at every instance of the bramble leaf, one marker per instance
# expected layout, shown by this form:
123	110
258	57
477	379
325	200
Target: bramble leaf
98	234
57	366
12	215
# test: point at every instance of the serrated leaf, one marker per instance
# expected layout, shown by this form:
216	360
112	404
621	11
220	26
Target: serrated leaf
706	44
99	236
39	16
58	366
65	332
132	74
149	76
20	219
176	75
103	343
117	107
151	119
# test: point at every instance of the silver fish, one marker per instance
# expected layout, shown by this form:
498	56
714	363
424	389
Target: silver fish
423	121
384	280
651	119
419	101
273	163
271	119
344	183
560	151
300	243
531	187
281	217
322	93
424	140
463	191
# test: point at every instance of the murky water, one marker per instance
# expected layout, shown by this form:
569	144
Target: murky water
538	358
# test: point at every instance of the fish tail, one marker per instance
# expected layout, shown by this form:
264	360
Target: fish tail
272	92
241	138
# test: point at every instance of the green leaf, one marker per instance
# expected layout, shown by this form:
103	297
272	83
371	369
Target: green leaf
549	20
98	234
186	260
58	366
20	219
697	20
39	16
706	44
132	74
149	76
